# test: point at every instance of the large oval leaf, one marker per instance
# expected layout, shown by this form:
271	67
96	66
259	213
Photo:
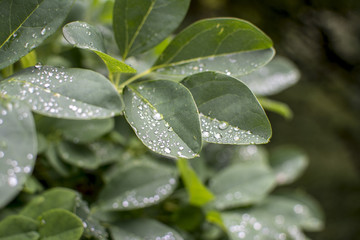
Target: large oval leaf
229	111
64	93
139	24
16	227
241	184
18	147
26	24
84	35
228	45
141	229
164	117
272	78
137	186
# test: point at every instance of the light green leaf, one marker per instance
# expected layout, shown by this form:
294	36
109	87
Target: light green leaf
139	24
16	227
199	195
229	111
54	198
241	184
227	45
64	93
289	163
29	59
277	107
143	229
164	116
138	185
26	24
272	78
18	148
60	224
86	36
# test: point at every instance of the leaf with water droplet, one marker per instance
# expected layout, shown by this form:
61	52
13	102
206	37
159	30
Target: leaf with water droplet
229	111
272	78
26	24
164	116
138	29
288	162
59	224
18	147
239	49
137	185
143	228
241	184
19	227
86	36
64	93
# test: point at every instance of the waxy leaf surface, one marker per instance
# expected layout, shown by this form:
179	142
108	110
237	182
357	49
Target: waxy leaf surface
64	93
17	227
26	24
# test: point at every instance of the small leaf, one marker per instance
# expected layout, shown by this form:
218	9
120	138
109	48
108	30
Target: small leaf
228	45
229	111
277	107
139	24
64	93
241	184
60	224
86	36
55	161
288	163
164	116
199	195
54	198
140	229
137	186
17	227
272	78
26	24
29	59
18	148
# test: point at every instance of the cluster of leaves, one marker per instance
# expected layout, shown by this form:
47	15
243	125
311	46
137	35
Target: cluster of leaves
112	152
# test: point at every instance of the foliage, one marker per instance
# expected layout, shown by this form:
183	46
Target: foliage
134	153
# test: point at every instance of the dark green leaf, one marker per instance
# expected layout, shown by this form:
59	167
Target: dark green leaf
228	45
137	185
18	148
64	93
84	35
60	224
272	78
164	116
229	111
143	229
139	24
26	24
16	227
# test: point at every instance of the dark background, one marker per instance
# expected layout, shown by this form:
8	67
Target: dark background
322	37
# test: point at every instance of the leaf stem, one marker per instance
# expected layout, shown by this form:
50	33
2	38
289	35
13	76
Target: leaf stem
132	79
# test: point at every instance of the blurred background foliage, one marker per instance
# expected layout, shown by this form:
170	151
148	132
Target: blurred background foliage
323	38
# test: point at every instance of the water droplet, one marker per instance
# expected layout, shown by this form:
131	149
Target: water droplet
43	31
167	150
2	154
206	134
1	121
241	235
223	125
12	181
157	116
38	66
217	135
298	209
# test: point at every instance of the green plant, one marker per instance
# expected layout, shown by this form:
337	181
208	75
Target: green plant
180	97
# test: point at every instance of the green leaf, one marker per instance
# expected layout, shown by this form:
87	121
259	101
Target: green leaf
55	161
64	93
60	224
139	24
199	195
29	59
18	148
289	163
137	185
241	184
143	229
229	111
227	45
26	24
277	107
86	36
54	198
16	227
272	78
164	116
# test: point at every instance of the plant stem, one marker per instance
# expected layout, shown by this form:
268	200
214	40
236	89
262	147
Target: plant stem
130	80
